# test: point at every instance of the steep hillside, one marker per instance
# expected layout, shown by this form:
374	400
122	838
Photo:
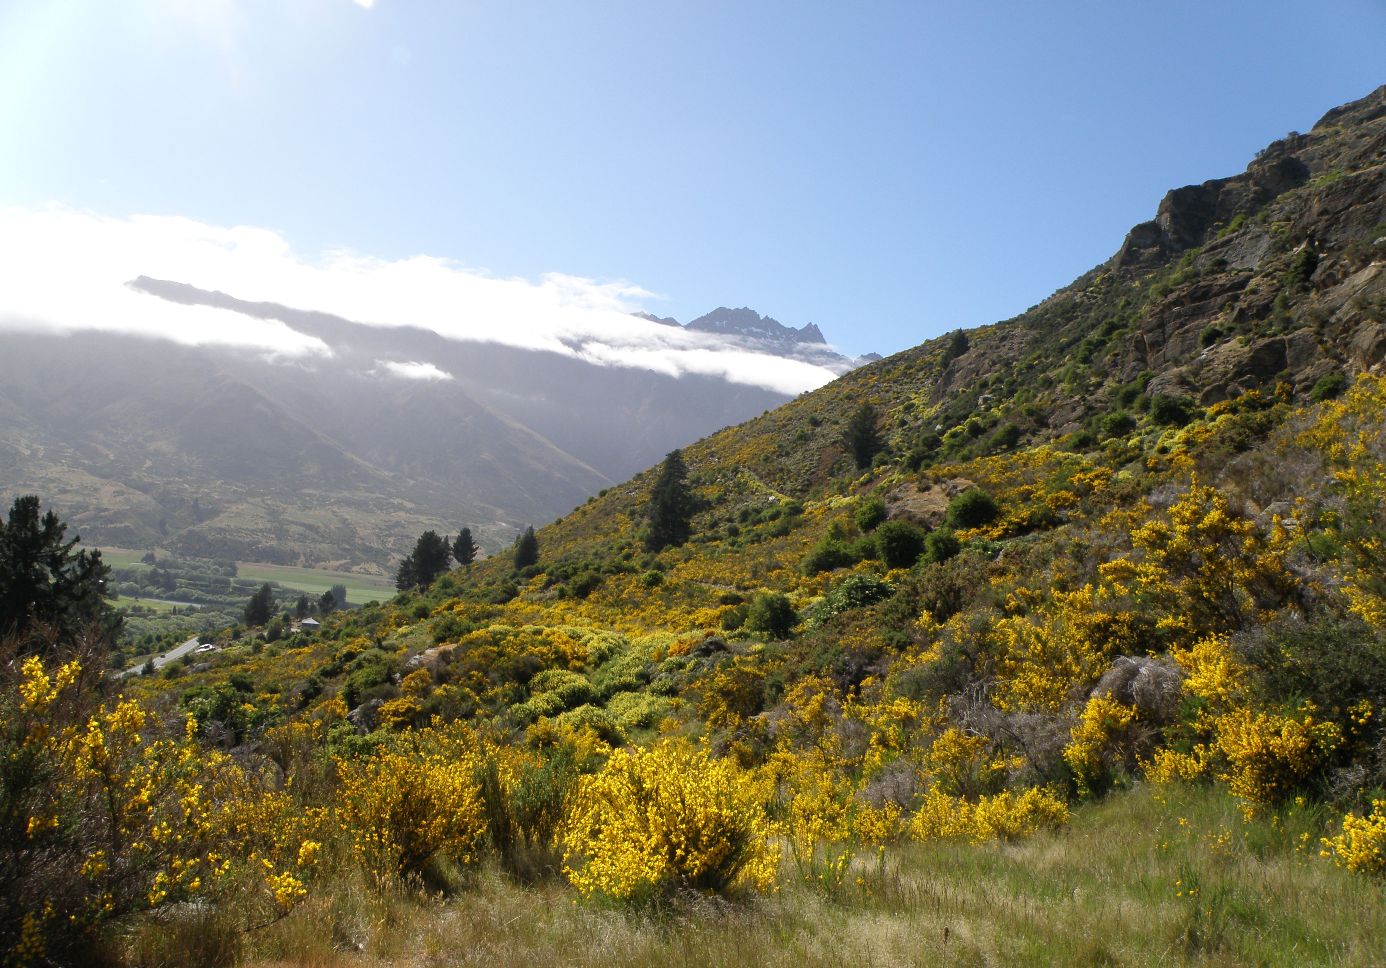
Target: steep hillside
1113	566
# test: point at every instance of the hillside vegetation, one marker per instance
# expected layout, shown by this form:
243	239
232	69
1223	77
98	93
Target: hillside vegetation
1057	641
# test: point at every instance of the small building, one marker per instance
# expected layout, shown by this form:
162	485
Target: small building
309	625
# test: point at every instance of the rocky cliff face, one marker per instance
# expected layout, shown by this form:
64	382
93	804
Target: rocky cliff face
1274	275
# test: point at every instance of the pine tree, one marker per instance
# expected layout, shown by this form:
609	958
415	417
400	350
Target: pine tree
406	579
526	549
670	510
43	582
428	560
464	549
861	437
957	345
260	606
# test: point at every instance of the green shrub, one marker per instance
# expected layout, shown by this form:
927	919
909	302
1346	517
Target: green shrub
1328	387
972	509
771	614
870	512
525	811
900	543
1006	437
638	710
828	554
1118	424
1170	411
940	545
855	591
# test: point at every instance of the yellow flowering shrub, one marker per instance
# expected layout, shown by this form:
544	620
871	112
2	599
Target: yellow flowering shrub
1003	816
1063	645
1100	724
1168	765
125	819
418	798
1349	435
1212	673
1268	756
961	765
1201	567
669	817
1361	846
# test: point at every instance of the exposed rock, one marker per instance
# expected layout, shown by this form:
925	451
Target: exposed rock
924	503
1368	347
427	659
366	716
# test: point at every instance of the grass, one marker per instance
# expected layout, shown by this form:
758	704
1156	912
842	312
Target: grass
152	604
360	588
122	557
1112	890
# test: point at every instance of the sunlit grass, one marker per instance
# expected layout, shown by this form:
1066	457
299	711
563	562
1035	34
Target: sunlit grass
1170	876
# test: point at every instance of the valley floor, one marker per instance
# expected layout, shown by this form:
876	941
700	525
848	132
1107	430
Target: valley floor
1158	875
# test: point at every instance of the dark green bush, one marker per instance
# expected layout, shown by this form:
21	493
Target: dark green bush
1118	424
900	543
870	512
771	614
1170	411
940	545
972	509
828	554
1328	387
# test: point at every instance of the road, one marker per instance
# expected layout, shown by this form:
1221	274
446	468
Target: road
172	655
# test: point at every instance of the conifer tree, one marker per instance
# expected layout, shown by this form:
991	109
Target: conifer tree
670	510
406	578
260	606
861	437
464	548
43	581
423	566
526	549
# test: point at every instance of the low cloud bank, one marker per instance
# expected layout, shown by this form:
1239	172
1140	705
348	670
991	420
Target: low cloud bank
414	370
70	271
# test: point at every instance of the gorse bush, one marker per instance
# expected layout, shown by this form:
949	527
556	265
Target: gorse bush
103	819
413	801
668	818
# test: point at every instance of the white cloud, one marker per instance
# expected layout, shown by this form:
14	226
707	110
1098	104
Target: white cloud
414	370
69	271
66	272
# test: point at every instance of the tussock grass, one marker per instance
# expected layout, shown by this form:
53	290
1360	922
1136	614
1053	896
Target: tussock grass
1127	884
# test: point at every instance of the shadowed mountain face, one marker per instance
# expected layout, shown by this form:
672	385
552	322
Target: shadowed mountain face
210	451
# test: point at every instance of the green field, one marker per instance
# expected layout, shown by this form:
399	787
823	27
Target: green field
153	604
315	581
121	557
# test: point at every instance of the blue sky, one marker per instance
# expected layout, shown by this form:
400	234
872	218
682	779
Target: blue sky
888	171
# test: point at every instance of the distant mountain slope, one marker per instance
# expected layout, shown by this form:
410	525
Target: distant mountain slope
209	451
